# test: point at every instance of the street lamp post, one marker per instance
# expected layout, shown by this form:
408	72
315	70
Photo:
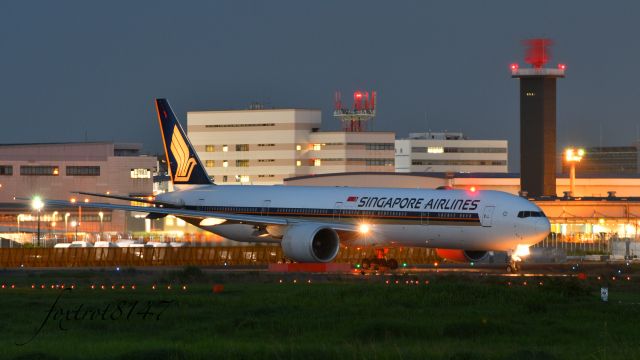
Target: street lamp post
19	218
66	231
75	225
37	205
572	157
52	229
101	215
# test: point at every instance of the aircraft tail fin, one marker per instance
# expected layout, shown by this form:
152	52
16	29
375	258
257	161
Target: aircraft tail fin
185	168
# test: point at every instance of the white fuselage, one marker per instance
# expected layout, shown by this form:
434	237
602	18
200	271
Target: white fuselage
451	219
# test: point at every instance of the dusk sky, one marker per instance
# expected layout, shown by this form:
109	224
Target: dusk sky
70	68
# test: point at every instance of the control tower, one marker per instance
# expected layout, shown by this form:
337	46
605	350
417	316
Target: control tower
538	119
356	118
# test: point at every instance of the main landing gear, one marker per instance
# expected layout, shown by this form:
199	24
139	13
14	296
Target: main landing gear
377	263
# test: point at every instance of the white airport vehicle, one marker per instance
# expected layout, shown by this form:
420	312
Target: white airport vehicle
310	223
156	244
80	244
104	244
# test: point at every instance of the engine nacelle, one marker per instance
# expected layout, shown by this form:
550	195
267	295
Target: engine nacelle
309	242
461	255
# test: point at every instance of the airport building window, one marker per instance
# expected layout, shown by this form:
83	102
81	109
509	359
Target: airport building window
262	145
474	150
242	163
210	163
298	147
225	178
6	170
225	148
317	162
266	160
126	152
490	150
460	162
225	163
209	148
140	174
298	163
379	162
242	178
27	170
379	146
242	147
239	125
317	147
83	170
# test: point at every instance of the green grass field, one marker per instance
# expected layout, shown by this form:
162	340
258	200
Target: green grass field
256	316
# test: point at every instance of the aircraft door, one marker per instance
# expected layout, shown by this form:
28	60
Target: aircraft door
266	204
424	218
336	210
487	215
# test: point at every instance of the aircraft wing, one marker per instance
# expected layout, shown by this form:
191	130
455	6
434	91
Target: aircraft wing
233	218
125	198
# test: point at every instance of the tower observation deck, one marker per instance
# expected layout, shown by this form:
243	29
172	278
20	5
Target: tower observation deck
538	119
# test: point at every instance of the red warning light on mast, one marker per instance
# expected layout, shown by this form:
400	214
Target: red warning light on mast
364	109
537	53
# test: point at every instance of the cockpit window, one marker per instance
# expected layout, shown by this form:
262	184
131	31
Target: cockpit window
526	214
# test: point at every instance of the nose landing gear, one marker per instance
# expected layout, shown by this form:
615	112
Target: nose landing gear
515	258
514	265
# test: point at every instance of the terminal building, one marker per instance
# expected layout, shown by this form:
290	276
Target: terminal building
450	152
56	170
265	146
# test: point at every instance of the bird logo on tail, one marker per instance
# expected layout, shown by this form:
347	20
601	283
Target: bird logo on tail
185	163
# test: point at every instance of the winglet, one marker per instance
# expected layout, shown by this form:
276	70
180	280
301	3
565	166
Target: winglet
184	165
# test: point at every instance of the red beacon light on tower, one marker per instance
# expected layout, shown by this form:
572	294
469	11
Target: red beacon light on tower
514	67
562	67
364	109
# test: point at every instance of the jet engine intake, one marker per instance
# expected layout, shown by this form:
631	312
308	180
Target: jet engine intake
309	242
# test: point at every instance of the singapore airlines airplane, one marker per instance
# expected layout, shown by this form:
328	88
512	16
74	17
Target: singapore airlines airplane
310	223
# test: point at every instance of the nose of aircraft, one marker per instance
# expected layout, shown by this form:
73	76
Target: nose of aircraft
543	227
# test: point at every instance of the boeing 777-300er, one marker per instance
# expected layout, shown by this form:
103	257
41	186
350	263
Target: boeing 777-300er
310	223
